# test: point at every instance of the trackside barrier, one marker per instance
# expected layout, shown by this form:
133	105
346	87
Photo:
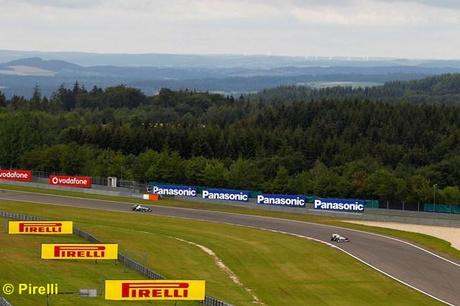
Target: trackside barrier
442	208
125	260
132	188
4	302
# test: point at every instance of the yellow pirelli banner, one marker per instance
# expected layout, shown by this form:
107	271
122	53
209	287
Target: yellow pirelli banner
80	251
172	290
40	227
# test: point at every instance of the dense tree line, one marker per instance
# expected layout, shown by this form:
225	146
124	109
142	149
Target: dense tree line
344	145
442	89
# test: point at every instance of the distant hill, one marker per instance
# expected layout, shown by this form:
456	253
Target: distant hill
21	71
53	65
220	61
36	66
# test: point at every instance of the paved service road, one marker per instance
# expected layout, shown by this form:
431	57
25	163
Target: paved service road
426	272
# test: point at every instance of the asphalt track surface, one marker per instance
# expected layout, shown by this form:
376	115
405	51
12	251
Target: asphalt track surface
418	268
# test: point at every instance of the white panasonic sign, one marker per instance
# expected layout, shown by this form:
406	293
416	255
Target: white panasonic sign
281	200
226	195
173	190
339	205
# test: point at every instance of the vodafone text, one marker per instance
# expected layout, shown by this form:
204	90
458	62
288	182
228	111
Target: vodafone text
16	175
73	181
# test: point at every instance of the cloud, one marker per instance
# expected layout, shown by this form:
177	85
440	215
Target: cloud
454	4
140	4
58	3
400	28
376	13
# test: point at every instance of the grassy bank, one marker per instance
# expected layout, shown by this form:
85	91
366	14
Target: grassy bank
278	269
21	263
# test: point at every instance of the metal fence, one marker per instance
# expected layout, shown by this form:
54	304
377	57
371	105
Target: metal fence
125	260
133	187
4	302
40	176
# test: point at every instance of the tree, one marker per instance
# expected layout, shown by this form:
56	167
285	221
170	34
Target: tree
302	183
167	168
386	186
244	174
65	98
2	100
194	170
37	94
450	195
122	96
215	174
419	189
280	183
326	182
143	164
16	137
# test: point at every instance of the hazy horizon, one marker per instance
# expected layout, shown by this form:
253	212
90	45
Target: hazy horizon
309	57
395	29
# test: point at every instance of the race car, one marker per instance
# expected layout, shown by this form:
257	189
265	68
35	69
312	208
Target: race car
141	208
338	238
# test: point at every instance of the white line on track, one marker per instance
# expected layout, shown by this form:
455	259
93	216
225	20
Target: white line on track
362	261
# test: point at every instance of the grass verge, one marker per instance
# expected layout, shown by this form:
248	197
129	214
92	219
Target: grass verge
21	263
279	269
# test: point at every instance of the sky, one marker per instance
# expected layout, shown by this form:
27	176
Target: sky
355	28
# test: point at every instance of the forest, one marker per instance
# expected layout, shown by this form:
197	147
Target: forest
396	143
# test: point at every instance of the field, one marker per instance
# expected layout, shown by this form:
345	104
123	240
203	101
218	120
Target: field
276	269
21	263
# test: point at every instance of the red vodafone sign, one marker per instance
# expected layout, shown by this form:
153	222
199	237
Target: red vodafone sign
16	175
71	181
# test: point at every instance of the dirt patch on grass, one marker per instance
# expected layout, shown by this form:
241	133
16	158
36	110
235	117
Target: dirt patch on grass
450	234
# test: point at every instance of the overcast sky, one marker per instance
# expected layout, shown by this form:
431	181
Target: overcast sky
389	28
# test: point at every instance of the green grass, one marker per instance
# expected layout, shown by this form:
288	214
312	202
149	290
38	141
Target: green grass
279	269
21	263
431	243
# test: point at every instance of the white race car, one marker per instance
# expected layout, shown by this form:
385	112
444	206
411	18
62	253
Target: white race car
141	208
338	238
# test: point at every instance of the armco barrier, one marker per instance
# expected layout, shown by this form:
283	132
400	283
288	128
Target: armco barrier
125	260
126	188
370	214
4	302
442	208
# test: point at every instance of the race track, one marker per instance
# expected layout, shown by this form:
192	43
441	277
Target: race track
427	272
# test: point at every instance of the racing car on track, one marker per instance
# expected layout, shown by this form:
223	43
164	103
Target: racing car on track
141	208
338	238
